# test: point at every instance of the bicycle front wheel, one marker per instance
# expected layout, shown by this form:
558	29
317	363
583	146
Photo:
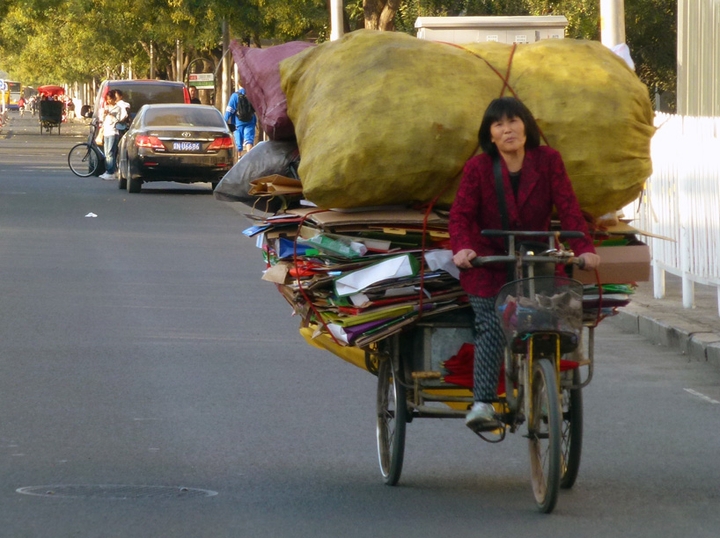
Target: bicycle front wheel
84	160
544	426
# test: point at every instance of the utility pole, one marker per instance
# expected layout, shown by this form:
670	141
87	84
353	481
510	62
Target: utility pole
336	19
225	86
612	22
178	61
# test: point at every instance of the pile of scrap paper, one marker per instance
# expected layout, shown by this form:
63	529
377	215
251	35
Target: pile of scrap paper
360	276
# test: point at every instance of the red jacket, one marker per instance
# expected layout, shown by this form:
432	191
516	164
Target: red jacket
544	183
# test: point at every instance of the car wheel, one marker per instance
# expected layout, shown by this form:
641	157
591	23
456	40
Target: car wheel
122	174
133	184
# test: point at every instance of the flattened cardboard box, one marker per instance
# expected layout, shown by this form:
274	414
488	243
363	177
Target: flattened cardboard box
619	265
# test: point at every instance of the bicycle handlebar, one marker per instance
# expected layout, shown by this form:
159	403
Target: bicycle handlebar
558	258
518	233
479	261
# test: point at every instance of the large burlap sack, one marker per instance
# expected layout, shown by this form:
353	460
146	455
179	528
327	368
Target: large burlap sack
260	76
384	118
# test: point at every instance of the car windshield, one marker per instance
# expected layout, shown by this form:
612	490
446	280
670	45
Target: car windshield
184	116
144	94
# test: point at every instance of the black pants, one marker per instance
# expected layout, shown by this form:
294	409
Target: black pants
489	349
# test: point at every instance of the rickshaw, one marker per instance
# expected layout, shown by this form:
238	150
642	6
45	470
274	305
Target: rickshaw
51	109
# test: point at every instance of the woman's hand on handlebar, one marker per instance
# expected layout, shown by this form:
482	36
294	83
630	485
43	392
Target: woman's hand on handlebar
589	261
463	258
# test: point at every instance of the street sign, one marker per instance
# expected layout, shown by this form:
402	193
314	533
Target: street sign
202	80
3	85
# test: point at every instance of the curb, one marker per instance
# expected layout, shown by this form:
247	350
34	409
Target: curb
692	340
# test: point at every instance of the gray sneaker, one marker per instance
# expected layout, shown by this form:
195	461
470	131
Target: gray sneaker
481	417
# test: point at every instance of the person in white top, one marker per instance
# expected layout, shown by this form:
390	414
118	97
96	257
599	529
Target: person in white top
124	118
109	115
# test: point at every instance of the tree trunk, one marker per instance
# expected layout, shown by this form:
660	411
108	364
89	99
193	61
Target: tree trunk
380	14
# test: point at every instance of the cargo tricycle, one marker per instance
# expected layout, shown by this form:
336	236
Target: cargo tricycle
548	361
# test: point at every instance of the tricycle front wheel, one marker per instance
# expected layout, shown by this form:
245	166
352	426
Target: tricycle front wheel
391	422
544	426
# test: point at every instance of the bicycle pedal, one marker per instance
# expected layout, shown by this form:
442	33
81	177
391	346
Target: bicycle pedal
486	426
495	435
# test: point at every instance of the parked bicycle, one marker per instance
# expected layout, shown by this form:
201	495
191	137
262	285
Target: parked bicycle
87	158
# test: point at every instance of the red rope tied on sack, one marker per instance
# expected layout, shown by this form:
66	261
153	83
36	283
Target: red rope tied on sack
505	78
423	245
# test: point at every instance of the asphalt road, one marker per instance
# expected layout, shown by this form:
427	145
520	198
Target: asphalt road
151	385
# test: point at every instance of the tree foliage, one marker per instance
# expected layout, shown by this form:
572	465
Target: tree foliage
53	41
651	29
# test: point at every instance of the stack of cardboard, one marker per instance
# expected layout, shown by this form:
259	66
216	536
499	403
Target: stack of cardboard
360	276
624	261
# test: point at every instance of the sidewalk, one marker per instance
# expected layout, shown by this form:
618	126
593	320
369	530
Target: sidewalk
692	332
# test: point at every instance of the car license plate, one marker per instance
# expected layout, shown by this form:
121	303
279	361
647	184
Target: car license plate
186	146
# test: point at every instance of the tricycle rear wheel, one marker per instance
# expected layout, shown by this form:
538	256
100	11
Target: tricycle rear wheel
572	432
391	422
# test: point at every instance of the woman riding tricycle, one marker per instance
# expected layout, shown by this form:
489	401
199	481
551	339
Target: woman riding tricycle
513	185
527	317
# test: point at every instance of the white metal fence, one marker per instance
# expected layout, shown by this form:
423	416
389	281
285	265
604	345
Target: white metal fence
698	72
682	202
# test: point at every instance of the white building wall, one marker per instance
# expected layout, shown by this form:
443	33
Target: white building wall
461	30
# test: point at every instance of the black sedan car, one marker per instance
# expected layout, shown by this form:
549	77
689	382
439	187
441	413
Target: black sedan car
175	142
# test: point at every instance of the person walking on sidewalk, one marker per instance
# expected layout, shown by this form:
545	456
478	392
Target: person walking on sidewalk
241	120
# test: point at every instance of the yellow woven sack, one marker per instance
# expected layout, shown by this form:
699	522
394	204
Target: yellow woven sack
384	118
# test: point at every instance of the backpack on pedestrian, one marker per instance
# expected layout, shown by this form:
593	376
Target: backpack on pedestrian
244	110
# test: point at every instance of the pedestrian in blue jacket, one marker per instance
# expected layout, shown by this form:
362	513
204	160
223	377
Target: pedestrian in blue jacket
244	130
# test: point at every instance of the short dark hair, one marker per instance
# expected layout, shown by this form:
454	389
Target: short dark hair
507	107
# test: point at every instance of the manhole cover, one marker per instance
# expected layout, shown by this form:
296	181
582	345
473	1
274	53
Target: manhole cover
116	492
